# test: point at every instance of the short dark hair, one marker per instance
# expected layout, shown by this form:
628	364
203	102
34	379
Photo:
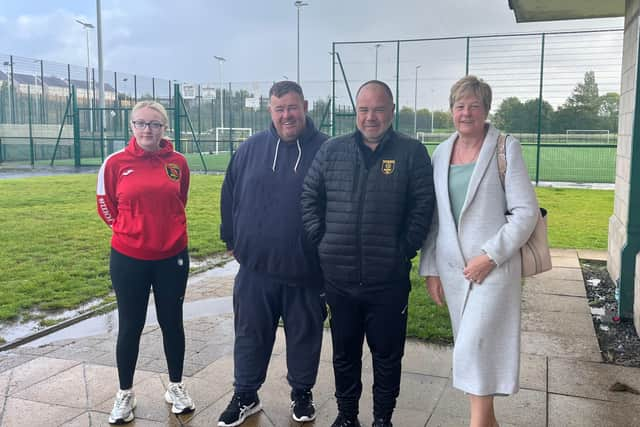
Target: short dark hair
283	87
382	84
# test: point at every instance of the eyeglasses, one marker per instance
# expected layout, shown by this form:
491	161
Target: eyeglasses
141	124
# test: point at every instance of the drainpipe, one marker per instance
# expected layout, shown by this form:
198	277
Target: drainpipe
632	247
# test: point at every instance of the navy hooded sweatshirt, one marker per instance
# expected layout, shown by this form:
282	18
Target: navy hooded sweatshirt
260	206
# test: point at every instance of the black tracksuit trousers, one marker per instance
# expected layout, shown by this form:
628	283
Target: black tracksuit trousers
259	301
381	316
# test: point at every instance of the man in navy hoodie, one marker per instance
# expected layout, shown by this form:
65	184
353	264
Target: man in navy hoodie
279	272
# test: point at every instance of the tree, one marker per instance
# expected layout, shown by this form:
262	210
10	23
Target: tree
581	110
609	108
510	116
530	109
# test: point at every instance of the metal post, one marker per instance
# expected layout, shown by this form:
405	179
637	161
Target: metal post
42	109
31	147
221	60
466	67
397	83
199	109
135	89
539	112
153	88
299	4
230	122
415	106
115	87
176	118
377	46
12	90
333	88
76	128
101	100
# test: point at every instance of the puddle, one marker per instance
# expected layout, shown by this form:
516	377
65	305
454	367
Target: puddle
13	331
108	323
228	269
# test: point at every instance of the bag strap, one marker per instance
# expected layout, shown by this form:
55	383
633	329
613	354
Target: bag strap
501	150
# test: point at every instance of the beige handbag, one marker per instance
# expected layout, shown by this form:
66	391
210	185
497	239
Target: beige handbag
535	254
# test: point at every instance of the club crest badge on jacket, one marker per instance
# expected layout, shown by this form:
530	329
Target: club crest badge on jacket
173	171
388	166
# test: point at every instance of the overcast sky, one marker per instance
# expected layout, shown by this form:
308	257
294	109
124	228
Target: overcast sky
178	39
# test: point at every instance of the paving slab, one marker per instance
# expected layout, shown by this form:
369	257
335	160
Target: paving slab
427	359
35	371
535	286
593	380
592	254
533	372
525	408
569	347
559	303
560	273
12	359
558	323
27	413
570	411
563	252
565	262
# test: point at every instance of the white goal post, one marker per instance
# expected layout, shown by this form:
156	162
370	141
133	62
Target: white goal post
225	134
581	134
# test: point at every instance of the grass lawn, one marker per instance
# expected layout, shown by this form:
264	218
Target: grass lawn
55	248
568	163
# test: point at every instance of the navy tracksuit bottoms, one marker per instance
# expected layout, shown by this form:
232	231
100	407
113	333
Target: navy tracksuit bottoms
380	316
259	301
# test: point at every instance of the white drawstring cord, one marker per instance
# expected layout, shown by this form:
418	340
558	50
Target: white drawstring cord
275	156
295	168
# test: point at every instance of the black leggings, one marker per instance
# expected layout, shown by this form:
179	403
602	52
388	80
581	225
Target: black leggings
132	280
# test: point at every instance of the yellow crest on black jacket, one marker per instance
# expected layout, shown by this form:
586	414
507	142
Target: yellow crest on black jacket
388	166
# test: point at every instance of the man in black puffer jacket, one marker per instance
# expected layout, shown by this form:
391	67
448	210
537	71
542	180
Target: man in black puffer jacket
367	204
279	272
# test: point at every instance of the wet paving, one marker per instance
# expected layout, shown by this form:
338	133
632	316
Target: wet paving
108	322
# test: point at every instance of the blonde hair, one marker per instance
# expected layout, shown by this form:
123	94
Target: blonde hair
471	85
154	106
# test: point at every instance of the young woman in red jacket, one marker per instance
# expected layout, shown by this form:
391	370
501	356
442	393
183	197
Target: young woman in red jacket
142	194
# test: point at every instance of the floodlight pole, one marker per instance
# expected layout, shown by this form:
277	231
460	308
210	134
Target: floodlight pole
87	26
221	60
377	46
415	106
299	4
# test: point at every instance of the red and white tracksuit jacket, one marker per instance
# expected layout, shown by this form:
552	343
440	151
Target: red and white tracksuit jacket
142	196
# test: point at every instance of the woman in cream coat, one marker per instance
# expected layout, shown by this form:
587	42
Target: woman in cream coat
471	257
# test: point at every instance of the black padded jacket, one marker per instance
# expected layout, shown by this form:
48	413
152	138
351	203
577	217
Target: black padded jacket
368	221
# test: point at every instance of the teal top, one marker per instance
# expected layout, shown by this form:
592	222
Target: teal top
459	177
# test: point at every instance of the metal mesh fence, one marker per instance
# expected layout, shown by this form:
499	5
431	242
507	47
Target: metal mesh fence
556	89
521	69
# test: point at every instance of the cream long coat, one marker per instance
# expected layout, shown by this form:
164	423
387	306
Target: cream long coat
486	317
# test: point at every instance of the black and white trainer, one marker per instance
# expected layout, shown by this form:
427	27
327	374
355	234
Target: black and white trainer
242	405
302	408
